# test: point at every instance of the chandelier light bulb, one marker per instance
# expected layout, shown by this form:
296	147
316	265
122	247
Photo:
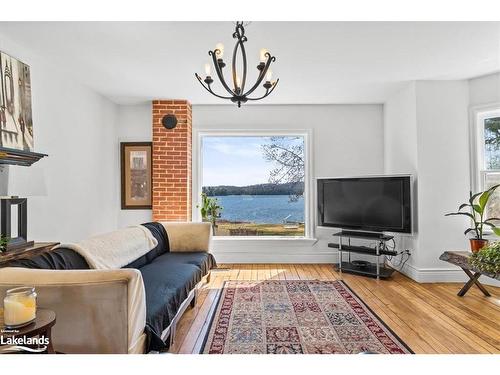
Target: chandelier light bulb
220	47
238	82
208	70
263	57
269	75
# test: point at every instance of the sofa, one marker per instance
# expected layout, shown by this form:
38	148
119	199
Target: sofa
133	309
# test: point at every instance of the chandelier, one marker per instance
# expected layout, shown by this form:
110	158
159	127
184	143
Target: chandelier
236	90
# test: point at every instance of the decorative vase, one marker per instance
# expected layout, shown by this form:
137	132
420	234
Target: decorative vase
476	244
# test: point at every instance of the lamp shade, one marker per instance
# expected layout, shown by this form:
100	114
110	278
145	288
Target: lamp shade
23	181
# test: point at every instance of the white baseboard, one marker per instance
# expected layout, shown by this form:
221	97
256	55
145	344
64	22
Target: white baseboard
442	275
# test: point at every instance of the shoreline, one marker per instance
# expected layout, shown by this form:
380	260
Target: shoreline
254	223
229	228
254	195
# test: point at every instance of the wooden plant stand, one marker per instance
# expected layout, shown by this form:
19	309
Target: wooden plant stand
461	259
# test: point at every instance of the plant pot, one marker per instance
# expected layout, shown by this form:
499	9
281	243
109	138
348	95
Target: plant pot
476	245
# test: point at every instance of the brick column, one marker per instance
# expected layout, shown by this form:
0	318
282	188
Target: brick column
172	162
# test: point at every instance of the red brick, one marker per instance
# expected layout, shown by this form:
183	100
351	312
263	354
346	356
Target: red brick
172	161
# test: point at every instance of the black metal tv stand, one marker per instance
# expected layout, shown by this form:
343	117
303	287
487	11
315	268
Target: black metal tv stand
378	269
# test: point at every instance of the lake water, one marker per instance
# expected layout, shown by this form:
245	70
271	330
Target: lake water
261	209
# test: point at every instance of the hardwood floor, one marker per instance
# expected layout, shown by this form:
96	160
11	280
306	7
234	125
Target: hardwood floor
430	318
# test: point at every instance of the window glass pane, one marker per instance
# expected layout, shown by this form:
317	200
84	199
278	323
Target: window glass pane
258	183
491	179
492	143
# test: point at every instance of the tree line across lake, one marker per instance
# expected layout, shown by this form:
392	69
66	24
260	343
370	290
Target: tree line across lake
291	188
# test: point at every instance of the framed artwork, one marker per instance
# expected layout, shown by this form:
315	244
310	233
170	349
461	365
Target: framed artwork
136	175
16	122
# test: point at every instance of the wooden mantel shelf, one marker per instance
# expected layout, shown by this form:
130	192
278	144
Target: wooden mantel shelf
19	157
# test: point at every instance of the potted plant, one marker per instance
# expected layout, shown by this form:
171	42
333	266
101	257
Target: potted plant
477	209
3	243
487	260
210	210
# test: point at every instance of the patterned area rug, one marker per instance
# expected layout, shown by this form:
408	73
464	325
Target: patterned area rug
296	317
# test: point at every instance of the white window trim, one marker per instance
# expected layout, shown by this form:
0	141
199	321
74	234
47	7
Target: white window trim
476	135
309	191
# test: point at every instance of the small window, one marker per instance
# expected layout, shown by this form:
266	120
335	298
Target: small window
491	139
258	183
487	155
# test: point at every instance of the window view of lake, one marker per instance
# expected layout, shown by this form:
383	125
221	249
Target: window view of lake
260	215
262	209
253	186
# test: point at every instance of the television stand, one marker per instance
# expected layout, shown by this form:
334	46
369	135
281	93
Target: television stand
377	269
364	235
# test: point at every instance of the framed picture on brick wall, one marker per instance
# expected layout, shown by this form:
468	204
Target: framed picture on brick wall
136	173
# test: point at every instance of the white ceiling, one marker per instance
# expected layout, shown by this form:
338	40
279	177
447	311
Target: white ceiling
317	62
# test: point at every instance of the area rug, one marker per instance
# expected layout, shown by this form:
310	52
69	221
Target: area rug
296	317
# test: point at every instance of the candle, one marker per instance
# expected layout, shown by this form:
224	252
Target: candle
269	75
208	70
262	55
19	306
220	50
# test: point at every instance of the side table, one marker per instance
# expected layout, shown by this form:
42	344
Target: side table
28	252
42	326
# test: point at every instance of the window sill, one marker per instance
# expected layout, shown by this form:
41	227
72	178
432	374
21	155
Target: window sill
297	241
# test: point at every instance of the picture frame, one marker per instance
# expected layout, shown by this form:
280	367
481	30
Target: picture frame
16	118
136	175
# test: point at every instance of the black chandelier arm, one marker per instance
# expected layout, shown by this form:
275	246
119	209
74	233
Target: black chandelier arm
233	66
218	70
240	35
268	91
239	44
263	72
244	77
209	89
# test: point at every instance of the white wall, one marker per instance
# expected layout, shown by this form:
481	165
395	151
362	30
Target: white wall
484	90
347	140
76	127
134	124
400	153
443	168
400	132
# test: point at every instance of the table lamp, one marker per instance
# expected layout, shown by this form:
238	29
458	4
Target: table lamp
16	185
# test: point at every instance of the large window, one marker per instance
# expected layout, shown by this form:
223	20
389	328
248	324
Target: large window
486	154
257	181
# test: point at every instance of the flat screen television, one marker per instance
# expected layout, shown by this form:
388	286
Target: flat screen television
374	204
